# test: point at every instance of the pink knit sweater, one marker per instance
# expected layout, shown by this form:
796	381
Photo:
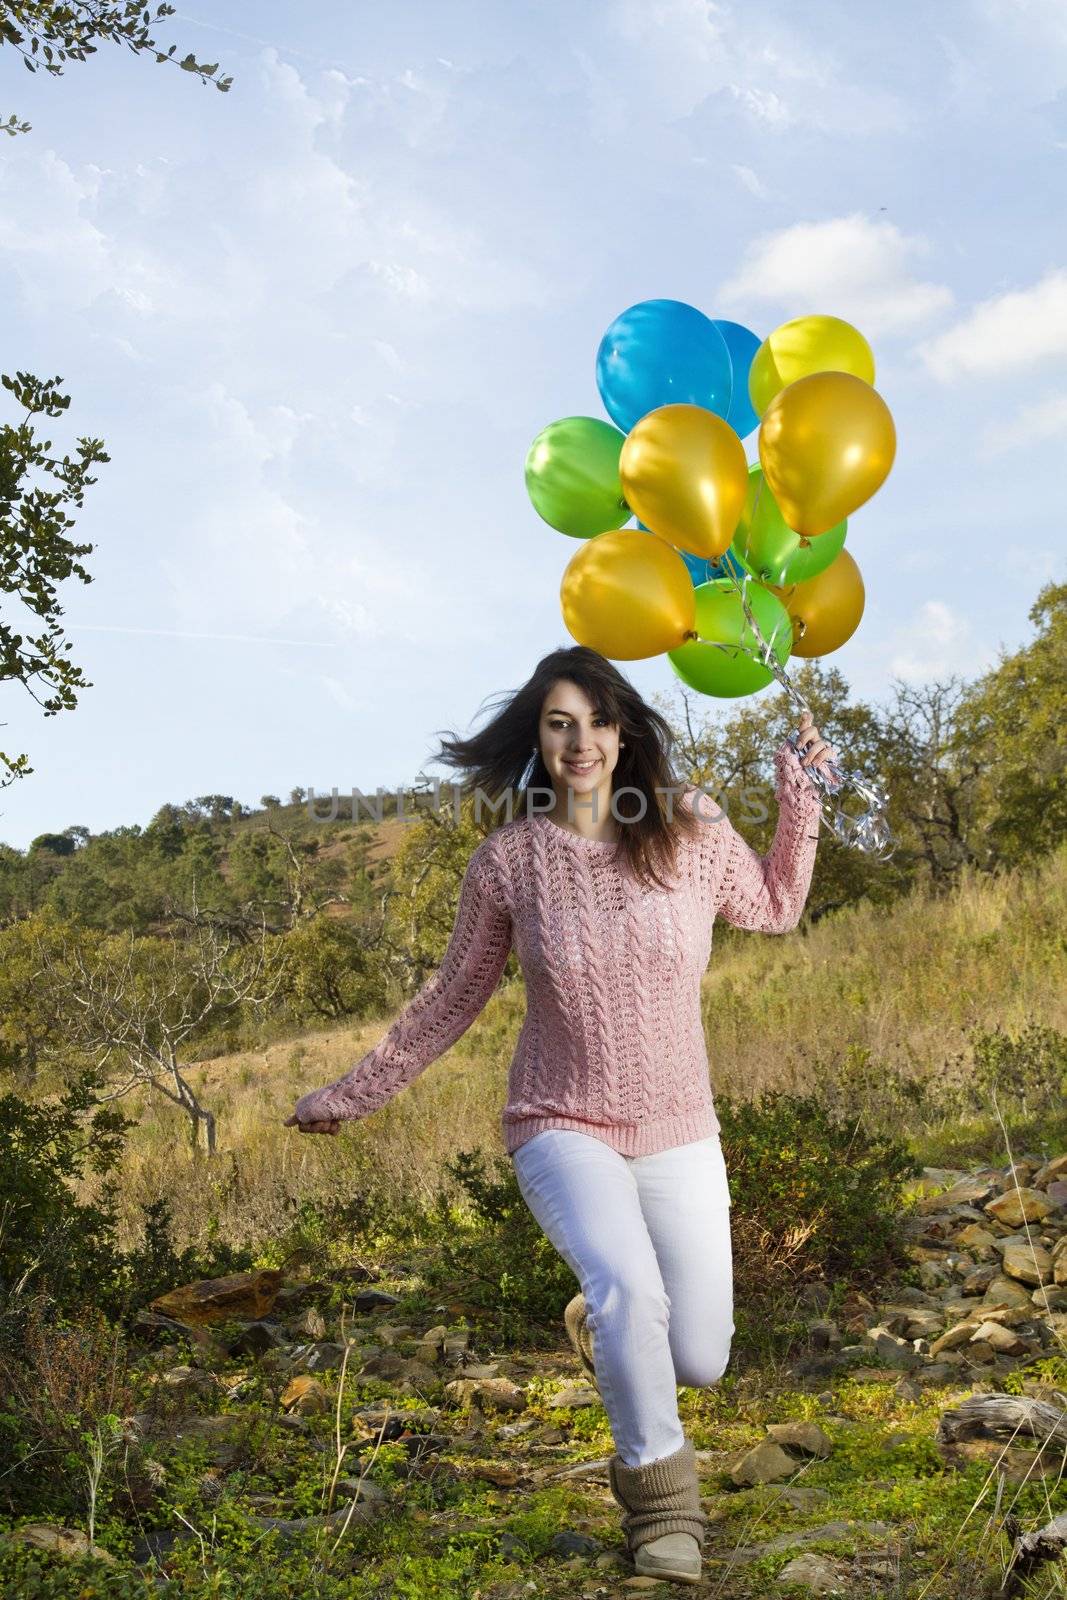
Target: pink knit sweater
612	1042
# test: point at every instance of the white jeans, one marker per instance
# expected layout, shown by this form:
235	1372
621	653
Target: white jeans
648	1238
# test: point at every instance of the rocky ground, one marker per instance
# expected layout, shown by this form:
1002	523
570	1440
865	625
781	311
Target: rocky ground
326	1408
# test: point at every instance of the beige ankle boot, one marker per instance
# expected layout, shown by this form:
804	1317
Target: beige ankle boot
574	1320
662	1518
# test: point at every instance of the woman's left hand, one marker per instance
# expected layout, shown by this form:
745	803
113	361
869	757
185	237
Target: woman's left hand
812	748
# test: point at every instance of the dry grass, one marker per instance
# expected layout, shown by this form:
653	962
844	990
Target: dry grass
782	1012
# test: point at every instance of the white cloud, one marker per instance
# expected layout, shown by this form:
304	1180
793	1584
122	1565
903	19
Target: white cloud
690	50
936	643
1006	333
853	267
1036	424
752	182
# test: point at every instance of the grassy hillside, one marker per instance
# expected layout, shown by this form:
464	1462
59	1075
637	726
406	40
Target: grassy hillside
872	1010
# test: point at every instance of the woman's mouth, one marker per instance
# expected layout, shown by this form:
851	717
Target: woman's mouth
582	766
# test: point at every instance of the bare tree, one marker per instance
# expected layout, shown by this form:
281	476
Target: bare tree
133	1006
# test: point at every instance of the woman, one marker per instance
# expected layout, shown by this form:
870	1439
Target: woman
606	884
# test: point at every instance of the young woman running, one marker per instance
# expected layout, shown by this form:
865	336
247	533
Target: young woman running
606	884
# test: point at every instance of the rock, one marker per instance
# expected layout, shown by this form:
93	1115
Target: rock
978	1281
243	1294
355	1514
824	1334
155	1544
807	1437
814	1572
311	1326
764	1463
1029	1263
573	1396
159	1329
306	1396
569	1543
374	1299
391	1423
955	1336
293	1297
1004	1291
1017	1206
188	1380
323	1356
975	1237
966	1192
255	1340
499	1392
57	1541
1003	1340
892	1350
1054	1169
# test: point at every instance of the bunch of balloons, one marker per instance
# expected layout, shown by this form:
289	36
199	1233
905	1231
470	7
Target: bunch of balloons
731	567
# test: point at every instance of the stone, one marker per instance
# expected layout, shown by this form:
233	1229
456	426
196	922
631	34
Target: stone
1003	1340
242	1294
255	1340
811	1571
499	1392
324	1356
1017	1206
1004	1291
58	1541
374	1299
807	1437
895	1352
305	1395
1029	1263
953	1337
573	1396
975	1237
764	1463
570	1543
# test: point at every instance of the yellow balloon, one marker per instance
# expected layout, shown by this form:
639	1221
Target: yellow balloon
825	444
628	594
684	472
801	347
825	610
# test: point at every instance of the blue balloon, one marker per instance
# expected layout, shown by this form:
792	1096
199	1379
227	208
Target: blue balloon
701	570
660	353
742	344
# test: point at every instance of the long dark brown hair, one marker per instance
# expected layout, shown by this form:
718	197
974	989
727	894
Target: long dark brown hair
501	757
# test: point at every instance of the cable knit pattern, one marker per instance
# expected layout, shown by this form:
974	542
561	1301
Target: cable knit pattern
612	1042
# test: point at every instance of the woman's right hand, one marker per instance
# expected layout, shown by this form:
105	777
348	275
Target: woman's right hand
332	1126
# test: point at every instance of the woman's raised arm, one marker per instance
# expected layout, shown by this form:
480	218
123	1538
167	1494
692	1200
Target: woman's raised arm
767	894
437	1016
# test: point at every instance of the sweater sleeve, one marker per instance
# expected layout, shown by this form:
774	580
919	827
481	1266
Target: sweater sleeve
438	1015
767	894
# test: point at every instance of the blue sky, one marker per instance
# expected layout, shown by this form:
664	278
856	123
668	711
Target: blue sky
319	319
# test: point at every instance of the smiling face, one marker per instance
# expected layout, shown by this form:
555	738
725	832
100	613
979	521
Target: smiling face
580	747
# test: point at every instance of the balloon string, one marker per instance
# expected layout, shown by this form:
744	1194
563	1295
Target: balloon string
868	830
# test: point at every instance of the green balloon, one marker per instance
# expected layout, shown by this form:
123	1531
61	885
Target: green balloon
572	476
736	670
769	549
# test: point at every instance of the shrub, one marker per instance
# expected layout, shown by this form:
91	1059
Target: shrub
819	1193
50	1241
495	1247
54	1243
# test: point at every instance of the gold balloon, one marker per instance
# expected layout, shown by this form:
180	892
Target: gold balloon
684	472
825	610
801	347
628	594
825	444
